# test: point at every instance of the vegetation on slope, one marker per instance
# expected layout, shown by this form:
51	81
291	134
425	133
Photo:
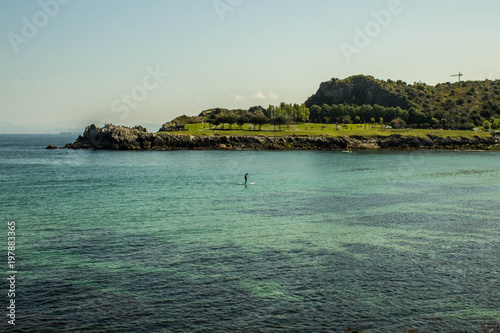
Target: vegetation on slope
365	100
461	105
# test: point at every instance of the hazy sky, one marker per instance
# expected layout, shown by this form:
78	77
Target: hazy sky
131	62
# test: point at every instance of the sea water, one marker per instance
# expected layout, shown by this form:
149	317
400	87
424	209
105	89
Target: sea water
150	241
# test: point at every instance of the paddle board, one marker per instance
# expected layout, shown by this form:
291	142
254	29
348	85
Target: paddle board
246	183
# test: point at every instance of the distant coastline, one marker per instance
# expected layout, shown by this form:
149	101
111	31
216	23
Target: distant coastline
113	137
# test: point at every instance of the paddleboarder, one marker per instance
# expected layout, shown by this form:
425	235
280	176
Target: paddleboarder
246	178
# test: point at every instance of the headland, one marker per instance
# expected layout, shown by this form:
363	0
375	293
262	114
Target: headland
111	137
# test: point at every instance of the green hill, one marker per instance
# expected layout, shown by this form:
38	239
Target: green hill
364	99
462	105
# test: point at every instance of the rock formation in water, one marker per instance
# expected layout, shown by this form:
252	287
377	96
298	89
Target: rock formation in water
137	138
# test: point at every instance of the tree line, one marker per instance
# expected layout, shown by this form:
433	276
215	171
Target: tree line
399	117
347	114
283	114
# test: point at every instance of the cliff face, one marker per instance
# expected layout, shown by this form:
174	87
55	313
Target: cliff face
137	138
357	90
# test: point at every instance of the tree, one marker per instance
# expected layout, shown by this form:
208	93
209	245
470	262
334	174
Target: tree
296	113
344	119
257	110
302	113
326	111
259	120
288	120
403	114
398	123
486	125
366	111
220	119
242	120
289	110
185	120
212	119
271	111
231	119
378	111
417	117
315	113
225	118
467	126
280	120
434	122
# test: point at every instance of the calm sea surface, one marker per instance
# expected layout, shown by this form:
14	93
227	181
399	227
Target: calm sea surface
324	242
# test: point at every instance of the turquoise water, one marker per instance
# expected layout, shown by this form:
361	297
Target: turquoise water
324	242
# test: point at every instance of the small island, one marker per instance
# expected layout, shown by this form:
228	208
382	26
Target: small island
359	112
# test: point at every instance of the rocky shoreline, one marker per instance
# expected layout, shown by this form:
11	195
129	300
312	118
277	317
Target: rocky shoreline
113	137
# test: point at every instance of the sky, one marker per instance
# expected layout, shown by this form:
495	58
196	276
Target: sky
70	63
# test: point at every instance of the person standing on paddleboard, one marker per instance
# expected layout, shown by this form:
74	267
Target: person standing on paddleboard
246	177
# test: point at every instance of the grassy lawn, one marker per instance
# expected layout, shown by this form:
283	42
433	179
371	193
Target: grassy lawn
323	130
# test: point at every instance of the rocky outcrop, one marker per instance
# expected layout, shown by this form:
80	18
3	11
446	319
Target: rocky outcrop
356	90
166	126
51	147
137	138
113	137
